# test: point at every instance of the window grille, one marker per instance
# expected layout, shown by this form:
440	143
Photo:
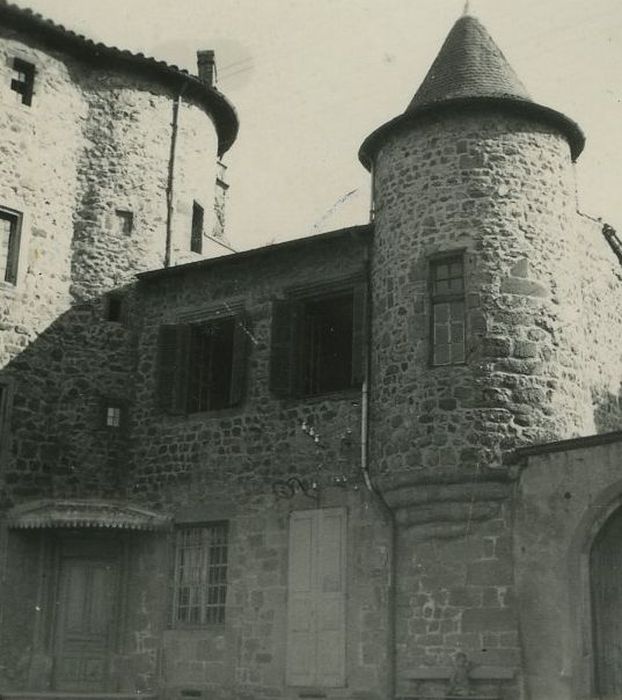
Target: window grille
448	311
201	575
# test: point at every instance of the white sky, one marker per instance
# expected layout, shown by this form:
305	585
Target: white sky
311	78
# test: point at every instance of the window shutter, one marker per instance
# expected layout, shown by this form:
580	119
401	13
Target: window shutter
284	323
173	367
331	643
239	360
316	645
359	330
12	261
301	641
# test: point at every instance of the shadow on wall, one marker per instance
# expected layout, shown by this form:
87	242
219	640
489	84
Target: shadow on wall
607	407
68	392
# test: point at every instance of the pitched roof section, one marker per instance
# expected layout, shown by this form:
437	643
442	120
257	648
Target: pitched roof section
469	64
470	72
57	37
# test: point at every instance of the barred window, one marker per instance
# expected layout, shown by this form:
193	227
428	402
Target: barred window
448	312
201	575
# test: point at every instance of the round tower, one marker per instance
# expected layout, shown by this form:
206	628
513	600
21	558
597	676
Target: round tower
475	348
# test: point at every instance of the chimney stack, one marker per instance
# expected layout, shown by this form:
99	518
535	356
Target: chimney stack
206	63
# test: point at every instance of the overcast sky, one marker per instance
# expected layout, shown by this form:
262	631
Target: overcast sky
311	78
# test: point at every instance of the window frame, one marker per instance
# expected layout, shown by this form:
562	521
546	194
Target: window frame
436	298
197	228
24	87
14	246
288	345
206	568
174	362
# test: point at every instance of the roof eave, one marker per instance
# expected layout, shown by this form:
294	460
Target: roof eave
57	37
571	130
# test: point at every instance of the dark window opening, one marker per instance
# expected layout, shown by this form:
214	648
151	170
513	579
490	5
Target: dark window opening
23	83
125	221
318	343
202	366
200	591
10	231
448	326
196	237
115	308
327	345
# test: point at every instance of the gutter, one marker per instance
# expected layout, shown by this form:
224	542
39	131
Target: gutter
170	184
389	515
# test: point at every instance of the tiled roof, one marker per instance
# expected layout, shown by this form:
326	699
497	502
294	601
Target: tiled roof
57	37
469	64
470	72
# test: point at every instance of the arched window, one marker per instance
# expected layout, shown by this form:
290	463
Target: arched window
606	598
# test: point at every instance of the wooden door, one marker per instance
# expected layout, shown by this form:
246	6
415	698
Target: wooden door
606	585
316	606
86	622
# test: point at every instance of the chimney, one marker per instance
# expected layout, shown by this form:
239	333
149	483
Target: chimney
206	64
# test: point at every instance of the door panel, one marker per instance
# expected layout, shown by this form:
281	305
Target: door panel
606	584
85	624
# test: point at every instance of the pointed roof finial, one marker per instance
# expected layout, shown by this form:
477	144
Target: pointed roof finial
467	8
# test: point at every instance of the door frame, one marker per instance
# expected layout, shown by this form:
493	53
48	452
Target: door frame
87	544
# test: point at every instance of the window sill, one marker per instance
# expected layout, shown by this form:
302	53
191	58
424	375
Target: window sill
337	394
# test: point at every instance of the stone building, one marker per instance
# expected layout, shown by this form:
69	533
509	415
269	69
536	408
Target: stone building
379	462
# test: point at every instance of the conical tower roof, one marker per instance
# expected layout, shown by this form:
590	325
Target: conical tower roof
468	65
471	71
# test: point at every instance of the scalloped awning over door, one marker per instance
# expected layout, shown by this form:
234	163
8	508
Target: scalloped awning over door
57	513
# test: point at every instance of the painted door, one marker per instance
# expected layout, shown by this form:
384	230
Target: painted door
86	622
606	583
316	607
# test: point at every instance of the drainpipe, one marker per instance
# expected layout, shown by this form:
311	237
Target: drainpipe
171	177
377	494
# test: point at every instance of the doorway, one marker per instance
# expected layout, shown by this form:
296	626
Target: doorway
86	622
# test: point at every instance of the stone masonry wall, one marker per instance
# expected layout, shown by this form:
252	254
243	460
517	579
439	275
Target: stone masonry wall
223	464
501	189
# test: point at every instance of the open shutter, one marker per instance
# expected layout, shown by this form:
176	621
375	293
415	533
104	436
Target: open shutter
331	643
173	367
359	333
239	359
284	324
301	638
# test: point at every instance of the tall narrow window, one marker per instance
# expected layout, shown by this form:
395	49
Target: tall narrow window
201	575
10	225
23	82
196	236
448	314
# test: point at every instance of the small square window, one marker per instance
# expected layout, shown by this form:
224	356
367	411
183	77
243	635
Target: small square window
196	236
200	591
10	233
23	82
125	221
113	416
115	308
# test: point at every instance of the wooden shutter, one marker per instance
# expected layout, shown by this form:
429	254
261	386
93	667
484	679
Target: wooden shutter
359	333
606	584
316	606
282	354
301	642
173	367
239	359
